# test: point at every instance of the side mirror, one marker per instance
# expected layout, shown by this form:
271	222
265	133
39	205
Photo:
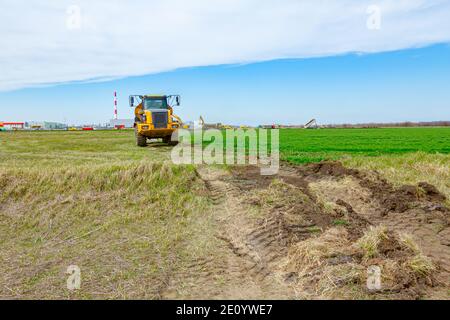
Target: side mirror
131	101
177	99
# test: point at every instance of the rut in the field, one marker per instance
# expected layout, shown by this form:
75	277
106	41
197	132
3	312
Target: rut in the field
313	231
243	266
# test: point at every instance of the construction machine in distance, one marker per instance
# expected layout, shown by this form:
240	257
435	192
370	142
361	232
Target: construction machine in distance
154	118
311	124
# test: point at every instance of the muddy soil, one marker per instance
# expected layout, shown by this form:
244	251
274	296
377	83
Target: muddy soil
264	224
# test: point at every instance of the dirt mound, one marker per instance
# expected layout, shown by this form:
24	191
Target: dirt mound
335	169
391	199
431	192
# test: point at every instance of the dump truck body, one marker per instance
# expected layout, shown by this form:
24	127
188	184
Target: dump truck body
154	118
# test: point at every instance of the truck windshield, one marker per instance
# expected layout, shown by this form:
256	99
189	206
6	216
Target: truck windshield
159	103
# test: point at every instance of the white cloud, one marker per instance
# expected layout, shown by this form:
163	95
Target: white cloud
122	38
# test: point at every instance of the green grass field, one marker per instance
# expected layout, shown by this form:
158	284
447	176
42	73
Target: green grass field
296	145
301	146
129	216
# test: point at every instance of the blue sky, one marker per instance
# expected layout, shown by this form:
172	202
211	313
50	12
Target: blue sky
403	85
237	62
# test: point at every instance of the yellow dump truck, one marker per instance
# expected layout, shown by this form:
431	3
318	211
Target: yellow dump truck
154	117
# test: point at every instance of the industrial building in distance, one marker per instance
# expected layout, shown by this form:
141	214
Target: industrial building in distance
121	123
45	125
32	125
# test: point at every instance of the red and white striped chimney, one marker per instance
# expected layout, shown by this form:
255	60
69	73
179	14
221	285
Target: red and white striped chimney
115	105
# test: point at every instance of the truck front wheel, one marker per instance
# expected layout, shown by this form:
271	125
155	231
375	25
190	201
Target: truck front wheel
169	141
166	139
141	141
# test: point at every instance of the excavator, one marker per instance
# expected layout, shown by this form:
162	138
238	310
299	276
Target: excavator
311	124
154	118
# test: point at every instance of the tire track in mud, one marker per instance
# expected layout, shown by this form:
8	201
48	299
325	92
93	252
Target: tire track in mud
253	250
246	255
256	247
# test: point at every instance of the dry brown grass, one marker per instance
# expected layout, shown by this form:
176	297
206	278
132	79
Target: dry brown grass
407	240
343	281
128	221
317	278
419	263
278	193
328	191
410	168
306	255
280	196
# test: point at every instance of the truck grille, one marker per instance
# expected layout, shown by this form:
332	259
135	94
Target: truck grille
159	119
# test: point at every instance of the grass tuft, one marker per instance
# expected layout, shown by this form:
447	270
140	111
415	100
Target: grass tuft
421	265
371	239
